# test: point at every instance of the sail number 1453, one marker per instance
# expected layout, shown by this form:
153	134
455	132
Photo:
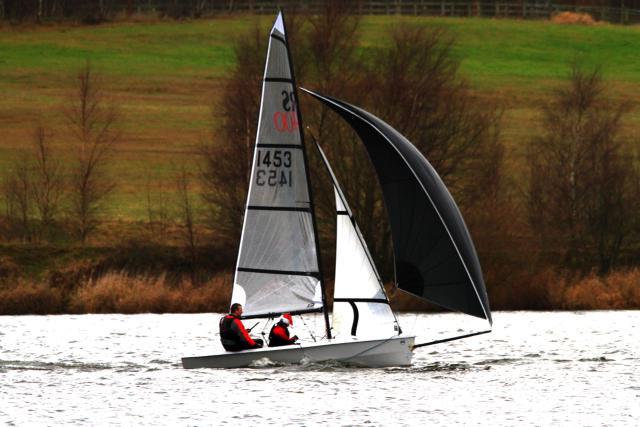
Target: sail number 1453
265	172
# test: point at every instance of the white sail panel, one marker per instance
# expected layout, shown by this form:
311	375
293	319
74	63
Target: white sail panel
278	117
278	269
366	320
276	293
280	175
360	305
279	241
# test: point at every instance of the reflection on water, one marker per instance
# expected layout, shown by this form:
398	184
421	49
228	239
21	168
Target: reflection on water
534	369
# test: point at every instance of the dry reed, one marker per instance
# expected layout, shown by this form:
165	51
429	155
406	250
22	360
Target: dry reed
30	298
117	292
619	290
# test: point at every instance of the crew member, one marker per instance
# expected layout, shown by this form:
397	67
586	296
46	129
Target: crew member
279	334
233	334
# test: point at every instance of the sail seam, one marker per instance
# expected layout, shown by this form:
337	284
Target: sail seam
278	208
342	213
277	80
296	146
283	272
374	300
280	39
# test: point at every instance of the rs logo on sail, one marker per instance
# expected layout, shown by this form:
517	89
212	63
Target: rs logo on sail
287	120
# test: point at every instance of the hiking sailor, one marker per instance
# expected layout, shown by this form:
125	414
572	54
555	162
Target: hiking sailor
233	335
279	334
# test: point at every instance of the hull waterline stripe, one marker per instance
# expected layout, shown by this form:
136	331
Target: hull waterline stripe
277	208
278	80
282	272
350	300
294	146
450	339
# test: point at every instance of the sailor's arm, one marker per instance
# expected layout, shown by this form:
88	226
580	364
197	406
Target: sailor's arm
242	333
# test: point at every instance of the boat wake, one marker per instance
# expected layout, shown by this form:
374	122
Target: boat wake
32	365
307	365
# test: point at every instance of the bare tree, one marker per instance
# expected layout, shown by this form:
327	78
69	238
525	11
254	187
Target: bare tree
48	181
581	196
157	213
187	216
92	121
17	184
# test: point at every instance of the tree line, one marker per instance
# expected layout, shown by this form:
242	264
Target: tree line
96	11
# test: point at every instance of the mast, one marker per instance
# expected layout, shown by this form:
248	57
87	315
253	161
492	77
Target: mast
325	311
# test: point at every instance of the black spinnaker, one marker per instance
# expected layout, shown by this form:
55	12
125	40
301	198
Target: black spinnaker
434	255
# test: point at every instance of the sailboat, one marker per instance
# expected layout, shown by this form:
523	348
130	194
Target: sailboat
278	268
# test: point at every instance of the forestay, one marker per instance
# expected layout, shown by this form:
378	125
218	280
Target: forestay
434	255
277	268
360	304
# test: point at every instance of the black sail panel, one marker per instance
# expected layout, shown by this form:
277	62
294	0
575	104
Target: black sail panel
434	255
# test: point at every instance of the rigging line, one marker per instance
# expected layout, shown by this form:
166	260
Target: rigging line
308	329
265	340
450	339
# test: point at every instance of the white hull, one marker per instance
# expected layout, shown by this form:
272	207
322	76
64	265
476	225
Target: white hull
375	353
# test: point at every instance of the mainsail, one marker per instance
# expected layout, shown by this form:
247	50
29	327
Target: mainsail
360	304
278	269
434	254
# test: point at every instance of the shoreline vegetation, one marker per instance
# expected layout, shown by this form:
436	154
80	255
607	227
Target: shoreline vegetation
126	293
150	236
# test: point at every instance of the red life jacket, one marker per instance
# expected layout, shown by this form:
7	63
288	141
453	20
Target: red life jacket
279	336
233	333
227	336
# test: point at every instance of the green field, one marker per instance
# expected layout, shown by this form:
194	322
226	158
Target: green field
167	76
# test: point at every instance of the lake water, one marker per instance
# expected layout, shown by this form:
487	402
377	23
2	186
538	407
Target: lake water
535	368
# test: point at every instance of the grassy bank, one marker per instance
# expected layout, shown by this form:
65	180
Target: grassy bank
166	78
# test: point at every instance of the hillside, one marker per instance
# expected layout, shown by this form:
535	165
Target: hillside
166	76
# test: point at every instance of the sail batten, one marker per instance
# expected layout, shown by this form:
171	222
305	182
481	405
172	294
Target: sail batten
434	257
278	268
